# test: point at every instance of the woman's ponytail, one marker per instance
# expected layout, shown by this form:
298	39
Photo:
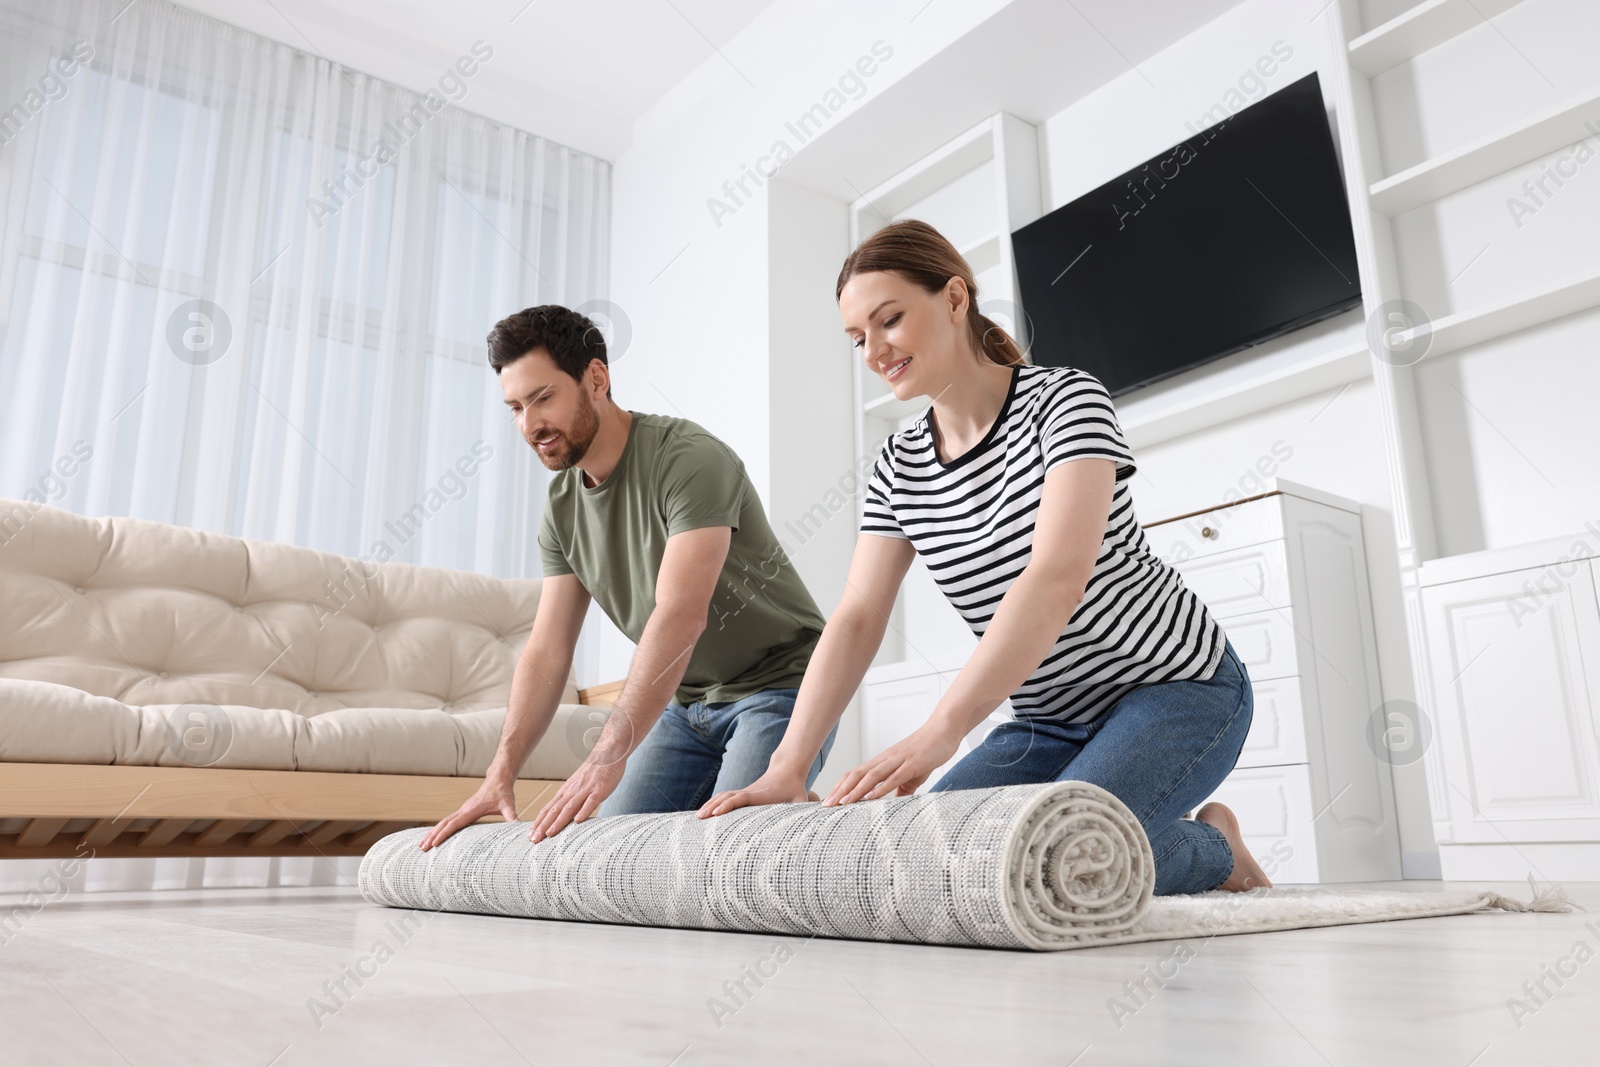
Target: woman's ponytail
991	339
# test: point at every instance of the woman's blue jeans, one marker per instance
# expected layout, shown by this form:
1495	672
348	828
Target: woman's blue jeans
1161	750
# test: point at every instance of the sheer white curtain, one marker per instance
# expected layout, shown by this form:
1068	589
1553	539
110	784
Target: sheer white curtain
255	286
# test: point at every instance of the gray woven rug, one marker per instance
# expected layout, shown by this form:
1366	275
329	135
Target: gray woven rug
1055	866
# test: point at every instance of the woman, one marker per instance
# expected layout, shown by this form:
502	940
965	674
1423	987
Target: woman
1015	490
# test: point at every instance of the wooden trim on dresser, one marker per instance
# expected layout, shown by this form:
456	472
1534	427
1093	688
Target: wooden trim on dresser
1208	511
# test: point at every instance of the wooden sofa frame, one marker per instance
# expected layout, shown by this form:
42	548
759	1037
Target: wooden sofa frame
206	811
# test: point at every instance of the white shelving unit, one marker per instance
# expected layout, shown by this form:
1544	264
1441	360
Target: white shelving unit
1382	197
1425	26
1539	134
1520	312
1329	369
1376	198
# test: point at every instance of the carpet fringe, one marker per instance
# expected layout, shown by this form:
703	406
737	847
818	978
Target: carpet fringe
1553	898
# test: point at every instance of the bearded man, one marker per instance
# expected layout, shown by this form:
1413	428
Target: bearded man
655	519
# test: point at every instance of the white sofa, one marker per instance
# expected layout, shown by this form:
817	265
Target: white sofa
137	646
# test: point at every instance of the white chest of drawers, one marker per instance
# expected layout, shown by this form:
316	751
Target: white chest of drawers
1285	575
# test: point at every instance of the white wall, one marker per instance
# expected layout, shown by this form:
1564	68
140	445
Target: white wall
695	283
813	469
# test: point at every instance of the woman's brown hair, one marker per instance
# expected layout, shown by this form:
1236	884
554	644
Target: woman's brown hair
920	254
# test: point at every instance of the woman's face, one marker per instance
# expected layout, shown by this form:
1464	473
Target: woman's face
908	336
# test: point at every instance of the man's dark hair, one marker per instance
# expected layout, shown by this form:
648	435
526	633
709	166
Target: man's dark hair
571	339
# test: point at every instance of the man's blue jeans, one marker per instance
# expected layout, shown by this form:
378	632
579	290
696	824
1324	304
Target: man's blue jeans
1161	750
693	753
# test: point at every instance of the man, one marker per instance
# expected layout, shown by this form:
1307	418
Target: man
656	519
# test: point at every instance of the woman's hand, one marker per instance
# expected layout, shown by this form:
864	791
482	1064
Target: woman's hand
773	787
898	769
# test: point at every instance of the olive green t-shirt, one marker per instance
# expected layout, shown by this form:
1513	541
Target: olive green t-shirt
673	476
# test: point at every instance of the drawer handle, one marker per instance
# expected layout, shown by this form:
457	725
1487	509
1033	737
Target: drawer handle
1208	533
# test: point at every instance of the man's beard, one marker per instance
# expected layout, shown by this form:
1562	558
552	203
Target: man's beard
575	441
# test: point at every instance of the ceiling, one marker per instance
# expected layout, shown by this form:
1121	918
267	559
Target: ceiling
579	71
619	54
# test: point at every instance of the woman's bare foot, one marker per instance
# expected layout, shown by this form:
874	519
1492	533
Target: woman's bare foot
1247	874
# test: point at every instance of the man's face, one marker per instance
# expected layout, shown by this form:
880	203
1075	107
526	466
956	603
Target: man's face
554	413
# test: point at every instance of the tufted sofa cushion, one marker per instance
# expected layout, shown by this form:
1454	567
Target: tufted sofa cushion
122	641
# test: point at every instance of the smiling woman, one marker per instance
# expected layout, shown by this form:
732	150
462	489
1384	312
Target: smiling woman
915	252
1015	489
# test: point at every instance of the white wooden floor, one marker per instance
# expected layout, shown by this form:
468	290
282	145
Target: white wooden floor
234	976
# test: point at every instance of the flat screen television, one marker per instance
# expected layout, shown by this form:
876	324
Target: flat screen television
1236	236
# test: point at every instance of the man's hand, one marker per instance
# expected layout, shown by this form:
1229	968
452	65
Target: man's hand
579	795
771	788
898	769
494	795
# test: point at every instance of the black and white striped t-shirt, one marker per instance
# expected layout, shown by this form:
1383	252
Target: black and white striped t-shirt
971	520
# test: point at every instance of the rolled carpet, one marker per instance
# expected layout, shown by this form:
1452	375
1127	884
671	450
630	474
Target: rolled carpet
1060	865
